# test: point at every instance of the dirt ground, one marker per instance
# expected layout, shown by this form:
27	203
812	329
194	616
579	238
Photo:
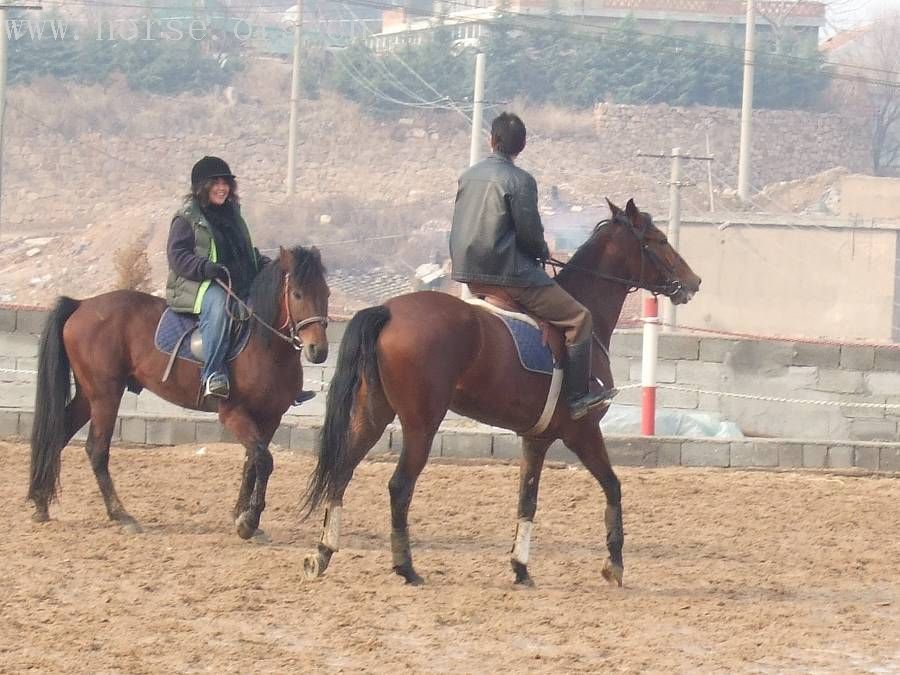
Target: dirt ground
725	571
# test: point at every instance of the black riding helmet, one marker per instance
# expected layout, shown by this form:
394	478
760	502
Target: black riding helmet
210	167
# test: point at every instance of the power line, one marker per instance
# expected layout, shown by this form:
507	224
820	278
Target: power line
423	81
357	76
546	18
794	63
566	21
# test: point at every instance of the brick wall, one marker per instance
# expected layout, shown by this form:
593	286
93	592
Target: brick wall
815	372
796	370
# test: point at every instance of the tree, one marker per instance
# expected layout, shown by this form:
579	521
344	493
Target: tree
869	82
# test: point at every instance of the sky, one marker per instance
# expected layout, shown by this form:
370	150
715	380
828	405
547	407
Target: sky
849	13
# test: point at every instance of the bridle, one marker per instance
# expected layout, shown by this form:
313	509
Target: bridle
668	289
292	337
294	327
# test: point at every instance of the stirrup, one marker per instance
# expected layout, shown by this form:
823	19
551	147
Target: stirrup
217	386
581	405
304	396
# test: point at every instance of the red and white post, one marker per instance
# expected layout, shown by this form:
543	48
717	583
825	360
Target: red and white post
648	365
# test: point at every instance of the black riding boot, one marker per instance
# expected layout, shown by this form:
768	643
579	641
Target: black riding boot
576	379
304	396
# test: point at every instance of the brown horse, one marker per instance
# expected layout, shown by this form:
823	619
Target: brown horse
419	355
107	342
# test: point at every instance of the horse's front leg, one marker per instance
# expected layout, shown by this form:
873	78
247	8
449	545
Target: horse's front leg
533	453
248	481
587	442
258	466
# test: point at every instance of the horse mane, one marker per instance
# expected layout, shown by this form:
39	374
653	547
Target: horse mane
580	252
265	292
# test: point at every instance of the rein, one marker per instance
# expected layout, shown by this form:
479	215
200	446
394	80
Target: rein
668	289
294	327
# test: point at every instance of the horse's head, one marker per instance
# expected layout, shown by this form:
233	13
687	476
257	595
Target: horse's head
304	310
654	265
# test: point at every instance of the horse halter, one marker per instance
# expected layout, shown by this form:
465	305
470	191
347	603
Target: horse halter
669	289
294	327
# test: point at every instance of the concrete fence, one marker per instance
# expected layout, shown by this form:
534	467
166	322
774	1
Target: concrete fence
705	370
826	375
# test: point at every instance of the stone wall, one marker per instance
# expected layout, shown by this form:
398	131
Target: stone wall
827	374
787	144
89	170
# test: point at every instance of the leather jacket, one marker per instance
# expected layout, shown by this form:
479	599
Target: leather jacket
496	236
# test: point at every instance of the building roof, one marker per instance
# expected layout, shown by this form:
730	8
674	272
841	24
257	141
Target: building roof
799	12
845	38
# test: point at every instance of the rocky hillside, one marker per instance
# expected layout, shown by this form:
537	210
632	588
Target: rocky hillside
91	170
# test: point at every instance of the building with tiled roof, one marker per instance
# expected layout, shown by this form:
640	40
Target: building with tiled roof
720	21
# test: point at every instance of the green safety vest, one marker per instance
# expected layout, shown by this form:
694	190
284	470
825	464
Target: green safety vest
184	295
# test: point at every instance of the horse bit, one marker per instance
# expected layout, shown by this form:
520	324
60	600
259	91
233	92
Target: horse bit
294	327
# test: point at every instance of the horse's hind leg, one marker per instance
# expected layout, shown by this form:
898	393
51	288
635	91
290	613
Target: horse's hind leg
78	412
371	414
587	442
533	453
417	439
104	411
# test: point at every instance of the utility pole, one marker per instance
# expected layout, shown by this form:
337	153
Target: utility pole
477	140
3	69
477	111
295	98
673	232
747	104
3	65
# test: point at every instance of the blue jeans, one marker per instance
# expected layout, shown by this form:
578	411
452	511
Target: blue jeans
214	330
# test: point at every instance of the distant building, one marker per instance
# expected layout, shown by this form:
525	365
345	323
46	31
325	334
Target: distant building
720	21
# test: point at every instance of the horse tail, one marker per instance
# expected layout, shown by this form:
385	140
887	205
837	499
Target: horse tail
49	432
356	359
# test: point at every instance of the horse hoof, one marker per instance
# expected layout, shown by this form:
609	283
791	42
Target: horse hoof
523	579
314	565
40	517
261	537
612	573
131	527
409	574
245	529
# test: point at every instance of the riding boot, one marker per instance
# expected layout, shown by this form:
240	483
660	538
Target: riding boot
576	380
217	386
304	396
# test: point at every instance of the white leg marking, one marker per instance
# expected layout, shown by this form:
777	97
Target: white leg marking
331	537
523	541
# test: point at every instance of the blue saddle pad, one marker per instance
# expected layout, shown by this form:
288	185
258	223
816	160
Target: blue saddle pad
172	325
533	354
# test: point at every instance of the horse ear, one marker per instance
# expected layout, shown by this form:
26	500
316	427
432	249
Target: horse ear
285	259
615	210
632	212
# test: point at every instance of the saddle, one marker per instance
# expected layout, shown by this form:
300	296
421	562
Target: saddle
496	296
177	335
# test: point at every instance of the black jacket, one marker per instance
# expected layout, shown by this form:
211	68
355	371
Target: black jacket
497	237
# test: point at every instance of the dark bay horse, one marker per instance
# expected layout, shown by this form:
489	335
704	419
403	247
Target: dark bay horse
107	343
419	355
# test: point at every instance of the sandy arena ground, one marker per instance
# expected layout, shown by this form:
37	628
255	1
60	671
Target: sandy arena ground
725	571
